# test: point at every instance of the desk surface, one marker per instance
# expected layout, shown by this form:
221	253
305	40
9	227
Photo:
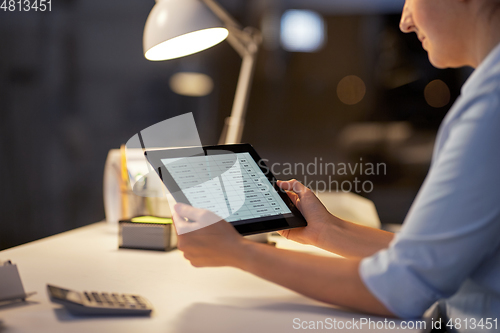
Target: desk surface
185	299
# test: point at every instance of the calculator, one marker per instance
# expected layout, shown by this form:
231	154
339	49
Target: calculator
94	303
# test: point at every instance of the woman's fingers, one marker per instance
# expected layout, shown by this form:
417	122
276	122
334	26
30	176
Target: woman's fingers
293	196
284	233
194	214
293	186
295	199
197	218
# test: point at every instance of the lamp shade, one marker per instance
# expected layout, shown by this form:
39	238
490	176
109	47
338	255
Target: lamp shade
177	28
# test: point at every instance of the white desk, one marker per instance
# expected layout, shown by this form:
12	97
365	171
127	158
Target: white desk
186	299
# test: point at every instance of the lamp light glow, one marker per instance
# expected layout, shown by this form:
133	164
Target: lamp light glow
186	44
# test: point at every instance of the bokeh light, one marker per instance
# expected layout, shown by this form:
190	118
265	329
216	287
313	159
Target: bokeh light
302	31
437	94
191	84
351	90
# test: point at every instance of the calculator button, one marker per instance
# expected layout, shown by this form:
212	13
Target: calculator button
106	298
117	299
97	298
87	296
129	300
139	300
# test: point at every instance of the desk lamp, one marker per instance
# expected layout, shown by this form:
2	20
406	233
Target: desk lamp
177	28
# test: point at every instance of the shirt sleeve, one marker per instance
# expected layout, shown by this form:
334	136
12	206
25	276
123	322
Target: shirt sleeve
454	224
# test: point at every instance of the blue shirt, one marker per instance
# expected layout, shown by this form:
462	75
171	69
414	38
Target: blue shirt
449	245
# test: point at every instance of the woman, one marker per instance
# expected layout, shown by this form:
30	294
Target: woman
449	246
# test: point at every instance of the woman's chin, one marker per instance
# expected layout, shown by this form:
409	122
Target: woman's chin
443	62
437	62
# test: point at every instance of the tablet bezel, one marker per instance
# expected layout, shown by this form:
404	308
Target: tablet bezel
244	227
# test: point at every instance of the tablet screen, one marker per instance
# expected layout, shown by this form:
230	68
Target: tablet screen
230	180
233	187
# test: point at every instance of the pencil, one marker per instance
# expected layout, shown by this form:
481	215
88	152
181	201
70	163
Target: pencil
124	184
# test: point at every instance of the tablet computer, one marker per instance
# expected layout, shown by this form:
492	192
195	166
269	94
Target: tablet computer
230	180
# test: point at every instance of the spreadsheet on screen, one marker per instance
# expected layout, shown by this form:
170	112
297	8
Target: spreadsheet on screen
233	187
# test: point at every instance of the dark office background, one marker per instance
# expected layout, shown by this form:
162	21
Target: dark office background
74	84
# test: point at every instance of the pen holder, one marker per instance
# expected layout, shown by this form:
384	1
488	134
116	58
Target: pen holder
120	202
142	205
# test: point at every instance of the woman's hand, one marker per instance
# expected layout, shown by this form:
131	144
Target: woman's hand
327	231
317	216
214	242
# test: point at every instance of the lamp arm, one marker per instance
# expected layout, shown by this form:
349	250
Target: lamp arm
234	124
221	13
246	43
